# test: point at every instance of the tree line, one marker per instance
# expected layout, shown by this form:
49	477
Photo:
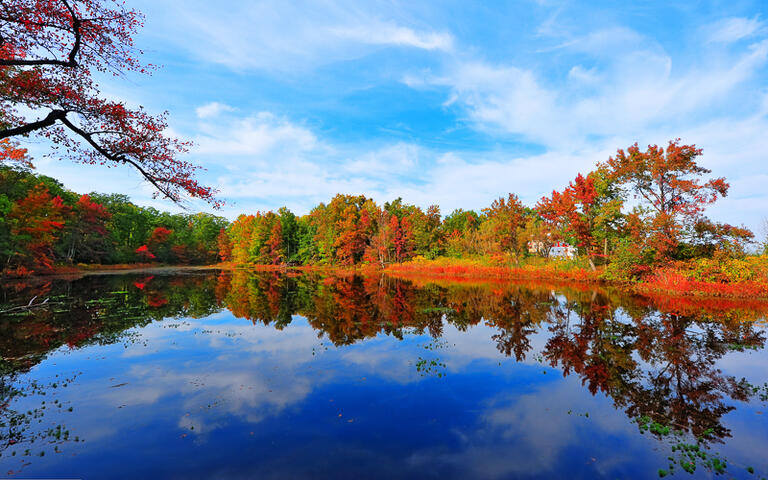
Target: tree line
638	209
42	224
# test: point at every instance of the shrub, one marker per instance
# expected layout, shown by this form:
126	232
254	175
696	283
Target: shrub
629	262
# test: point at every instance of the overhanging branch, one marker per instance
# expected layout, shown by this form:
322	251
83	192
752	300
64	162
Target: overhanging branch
88	137
25	129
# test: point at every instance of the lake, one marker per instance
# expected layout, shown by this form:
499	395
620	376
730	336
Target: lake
209	374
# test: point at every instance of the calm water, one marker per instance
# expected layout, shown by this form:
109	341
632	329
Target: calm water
214	375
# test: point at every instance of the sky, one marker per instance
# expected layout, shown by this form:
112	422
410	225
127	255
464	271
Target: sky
446	102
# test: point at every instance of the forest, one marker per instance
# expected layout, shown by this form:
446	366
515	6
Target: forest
639	211
44	226
636	214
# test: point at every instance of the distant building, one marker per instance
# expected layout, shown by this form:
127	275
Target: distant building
562	250
558	250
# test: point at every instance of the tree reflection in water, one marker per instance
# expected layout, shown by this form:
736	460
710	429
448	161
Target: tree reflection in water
657	360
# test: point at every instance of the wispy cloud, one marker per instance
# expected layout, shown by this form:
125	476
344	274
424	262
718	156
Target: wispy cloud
733	29
275	36
635	93
389	34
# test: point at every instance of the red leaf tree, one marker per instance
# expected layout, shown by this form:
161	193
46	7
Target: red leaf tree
86	232
160	245
49	51
574	212
35	223
402	238
144	253
672	187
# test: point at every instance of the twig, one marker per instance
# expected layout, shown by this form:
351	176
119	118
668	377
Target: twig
28	306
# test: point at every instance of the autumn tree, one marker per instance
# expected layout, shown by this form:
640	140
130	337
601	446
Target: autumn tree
506	217
402	237
428	236
292	232
461	232
671	187
273	248
159	243
144	254
709	237
240	233
587	211
10	153
378	250
224	245
85	235
35	224
555	212
354	230
404	221
50	51
341	229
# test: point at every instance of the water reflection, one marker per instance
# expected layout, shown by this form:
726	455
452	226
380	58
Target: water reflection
661	363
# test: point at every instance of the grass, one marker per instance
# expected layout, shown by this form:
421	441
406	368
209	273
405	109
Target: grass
488	268
705	280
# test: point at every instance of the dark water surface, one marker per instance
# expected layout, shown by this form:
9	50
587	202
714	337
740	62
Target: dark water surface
262	375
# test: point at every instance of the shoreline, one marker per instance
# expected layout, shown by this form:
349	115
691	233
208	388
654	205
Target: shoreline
664	283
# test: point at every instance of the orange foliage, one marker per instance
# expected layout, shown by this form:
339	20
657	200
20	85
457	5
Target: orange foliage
467	270
9	152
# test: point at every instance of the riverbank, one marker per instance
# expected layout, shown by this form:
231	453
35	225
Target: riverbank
75	271
734	278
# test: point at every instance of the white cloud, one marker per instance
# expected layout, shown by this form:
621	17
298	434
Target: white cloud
605	42
394	159
256	135
539	426
212	109
639	91
582	75
734	29
280	36
389	34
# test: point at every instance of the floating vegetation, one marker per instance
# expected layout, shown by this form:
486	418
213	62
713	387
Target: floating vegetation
436	344
432	367
688	453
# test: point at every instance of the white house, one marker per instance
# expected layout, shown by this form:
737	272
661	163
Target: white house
558	250
562	250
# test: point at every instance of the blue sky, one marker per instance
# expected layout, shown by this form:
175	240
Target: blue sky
451	102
